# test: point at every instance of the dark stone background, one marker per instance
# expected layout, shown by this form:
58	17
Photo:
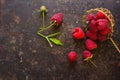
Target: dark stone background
26	56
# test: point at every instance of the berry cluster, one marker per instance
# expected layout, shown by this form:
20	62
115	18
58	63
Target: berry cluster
90	45
98	29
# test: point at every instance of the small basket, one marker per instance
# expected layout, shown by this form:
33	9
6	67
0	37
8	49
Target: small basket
109	15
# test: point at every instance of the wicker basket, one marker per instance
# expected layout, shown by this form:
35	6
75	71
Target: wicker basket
109	15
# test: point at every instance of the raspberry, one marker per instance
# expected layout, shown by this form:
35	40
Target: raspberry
72	56
100	15
102	23
102	20
91	17
90	45
106	18
93	26
105	31
102	37
101	26
91	35
78	33
77	29
87	55
58	18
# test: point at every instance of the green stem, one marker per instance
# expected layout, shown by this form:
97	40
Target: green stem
49	42
93	63
52	24
43	29
45	38
43	19
41	34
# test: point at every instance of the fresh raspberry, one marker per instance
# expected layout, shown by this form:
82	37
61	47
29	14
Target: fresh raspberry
106	18
87	55
102	20
91	35
77	29
72	56
93	26
91	17
100	15
78	33
58	18
105	31
102	23
102	37
90	45
101	26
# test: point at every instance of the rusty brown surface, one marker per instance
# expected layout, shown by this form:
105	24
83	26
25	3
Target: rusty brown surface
26	56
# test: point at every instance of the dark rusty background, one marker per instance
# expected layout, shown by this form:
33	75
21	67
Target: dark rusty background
26	56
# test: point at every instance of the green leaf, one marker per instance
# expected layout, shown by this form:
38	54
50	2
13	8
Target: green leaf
56	41
54	34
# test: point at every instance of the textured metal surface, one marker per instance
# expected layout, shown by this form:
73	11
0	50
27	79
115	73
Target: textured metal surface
26	56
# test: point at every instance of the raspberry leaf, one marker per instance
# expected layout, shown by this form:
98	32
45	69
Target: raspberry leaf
54	34
56	41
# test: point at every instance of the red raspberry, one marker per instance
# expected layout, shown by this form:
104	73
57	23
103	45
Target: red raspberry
102	37
78	33
101	26
102	20
91	17
100	15
72	56
58	18
93	26
102	23
106	18
87	55
105	31
90	45
91	35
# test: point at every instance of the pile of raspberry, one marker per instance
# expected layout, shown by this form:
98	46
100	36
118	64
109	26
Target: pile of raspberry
98	29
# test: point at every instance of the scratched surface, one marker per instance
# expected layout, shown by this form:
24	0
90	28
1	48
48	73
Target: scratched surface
26	56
